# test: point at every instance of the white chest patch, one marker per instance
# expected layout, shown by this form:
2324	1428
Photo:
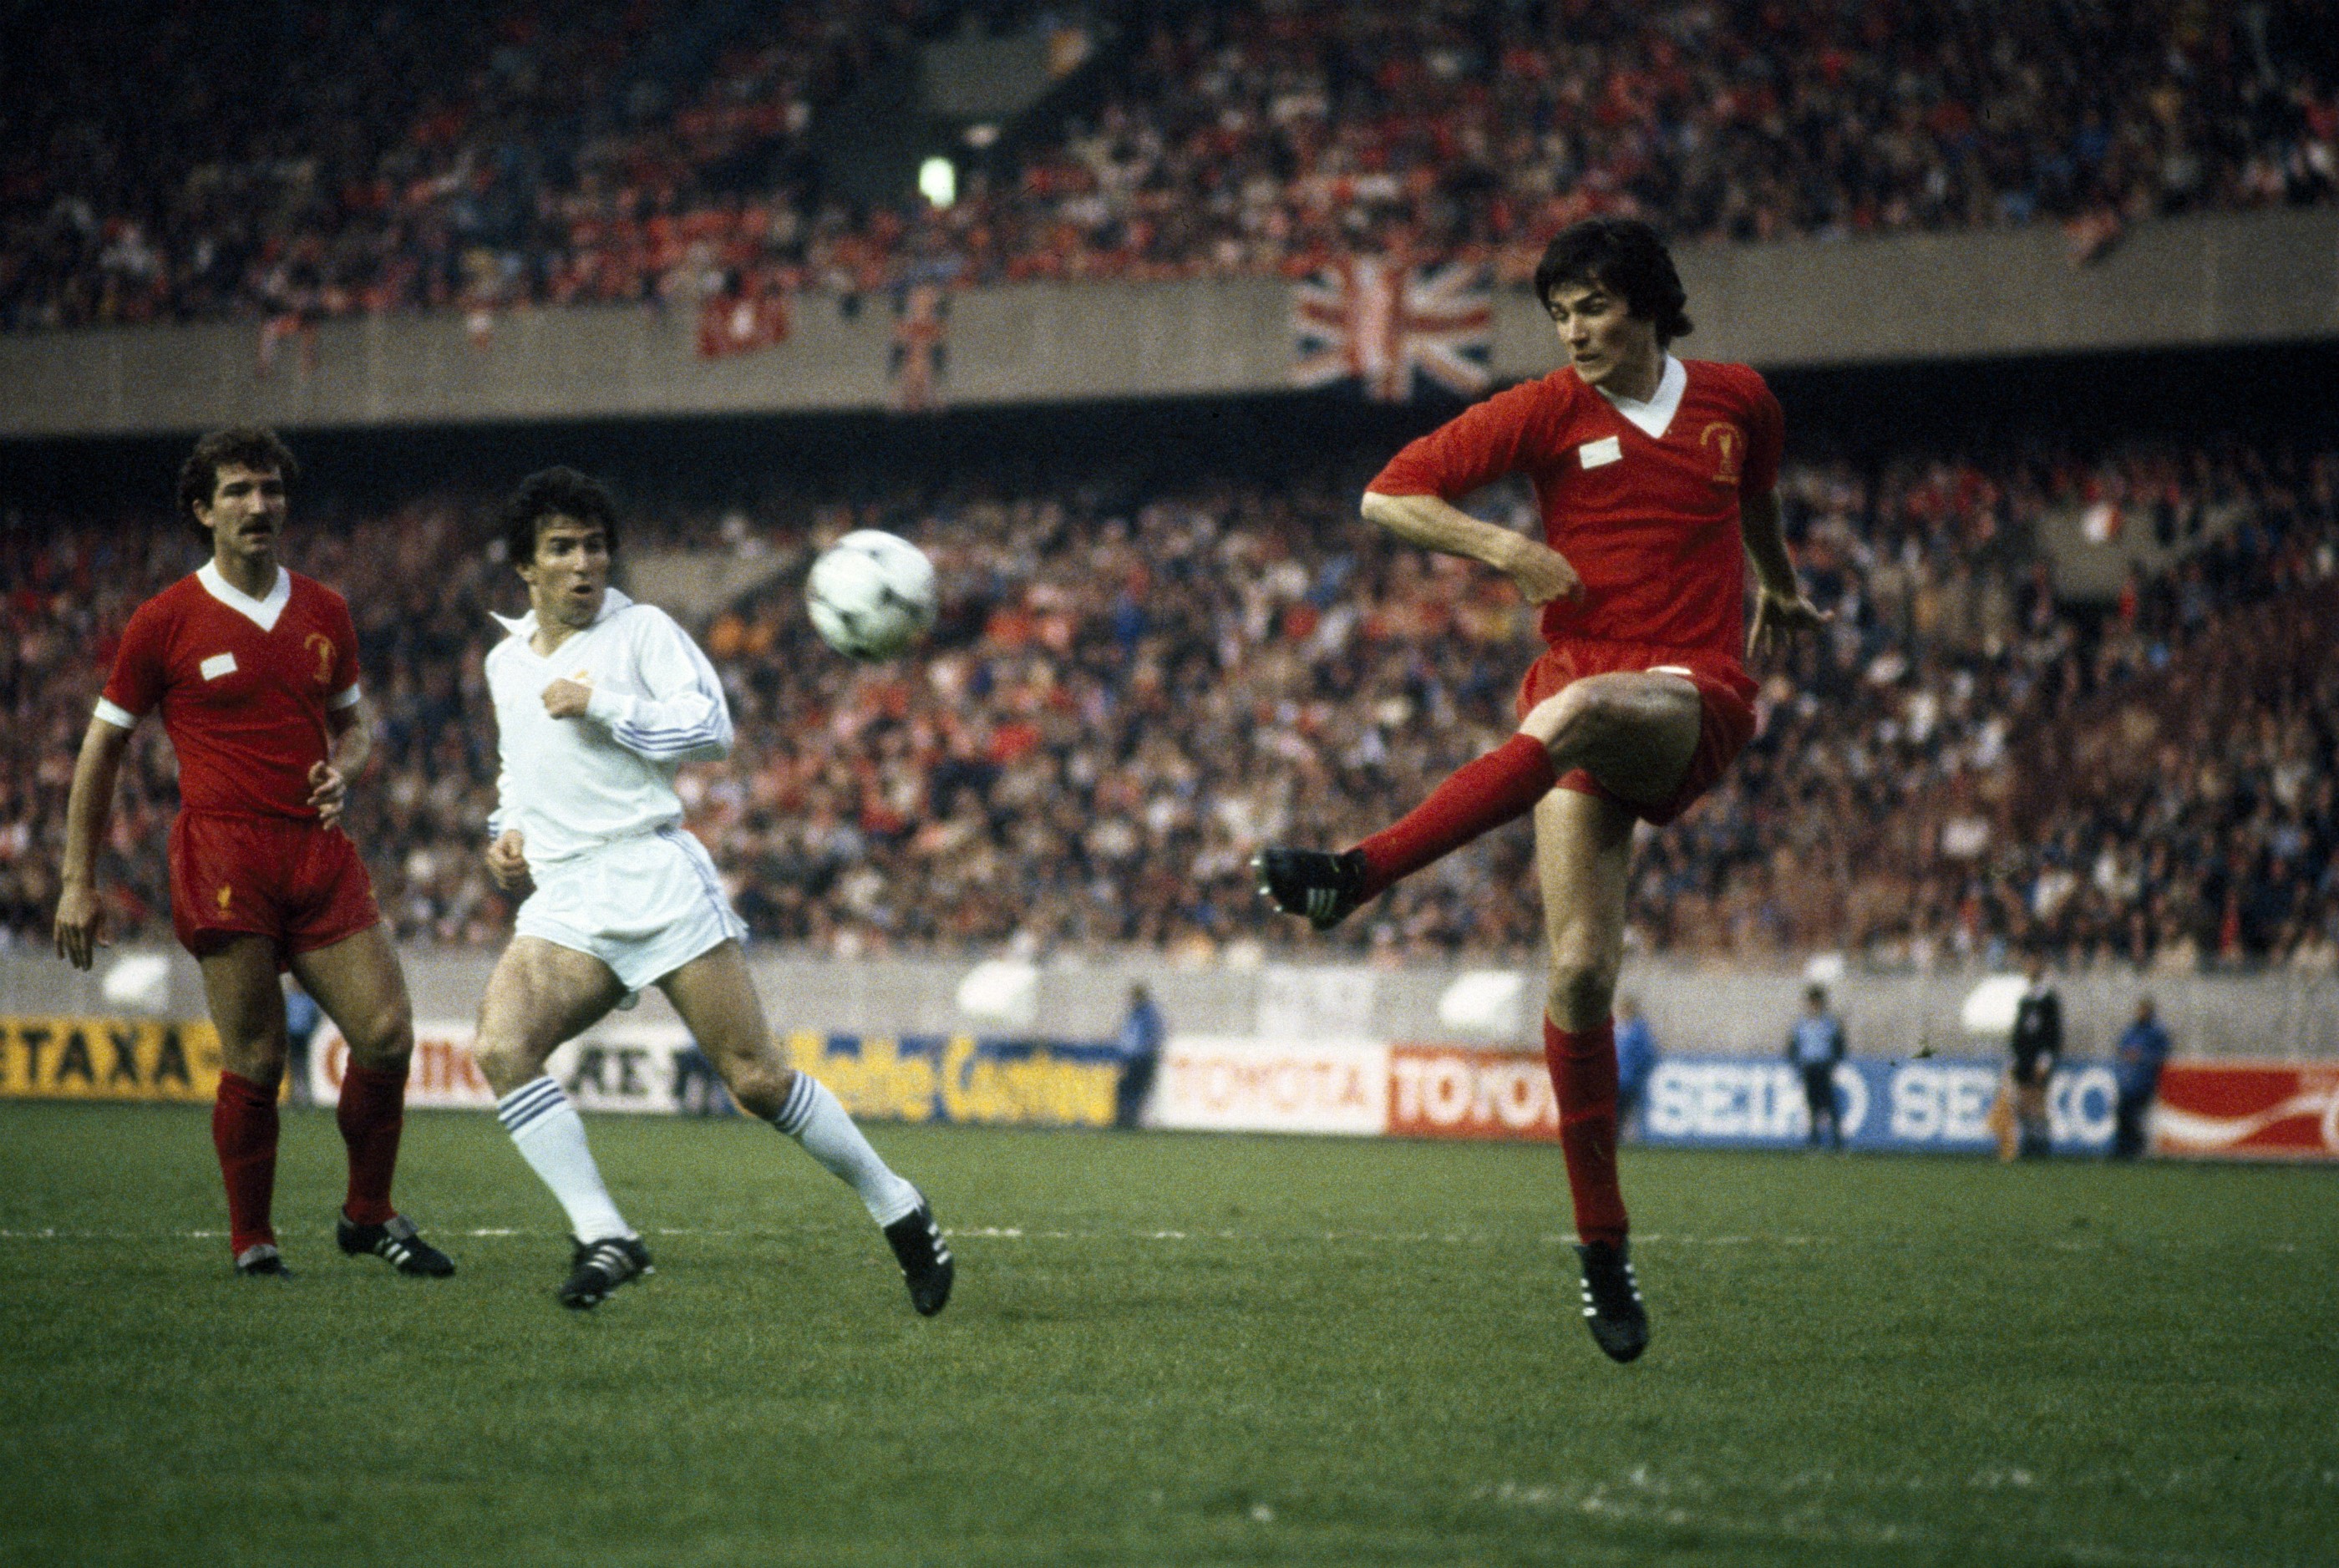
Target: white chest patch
218	664
1600	453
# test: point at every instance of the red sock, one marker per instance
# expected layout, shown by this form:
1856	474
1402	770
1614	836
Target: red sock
372	1114
1584	1075
243	1130
1478	798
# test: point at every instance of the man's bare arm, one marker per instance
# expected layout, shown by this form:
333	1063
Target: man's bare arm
81	918
1780	611
345	759
1542	572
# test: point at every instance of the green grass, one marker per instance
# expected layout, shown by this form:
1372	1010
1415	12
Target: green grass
1163	1350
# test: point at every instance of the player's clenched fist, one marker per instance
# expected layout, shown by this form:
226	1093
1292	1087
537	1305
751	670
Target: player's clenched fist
507	860
1542	572
567	699
81	925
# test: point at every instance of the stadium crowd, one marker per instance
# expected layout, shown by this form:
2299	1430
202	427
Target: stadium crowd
329	160
1133	687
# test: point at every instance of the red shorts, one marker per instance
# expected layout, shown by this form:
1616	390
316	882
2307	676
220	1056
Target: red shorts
1725	696
297	884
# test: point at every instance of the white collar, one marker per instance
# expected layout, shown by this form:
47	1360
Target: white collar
525	627
1654	416
261	613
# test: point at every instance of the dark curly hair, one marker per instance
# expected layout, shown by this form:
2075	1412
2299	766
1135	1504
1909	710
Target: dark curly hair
1624	256
240	447
554	493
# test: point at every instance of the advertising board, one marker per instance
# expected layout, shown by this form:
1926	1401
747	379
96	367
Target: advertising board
2248	1111
1748	1102
1233	1083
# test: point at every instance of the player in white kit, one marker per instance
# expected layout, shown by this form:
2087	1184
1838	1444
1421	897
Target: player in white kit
598	699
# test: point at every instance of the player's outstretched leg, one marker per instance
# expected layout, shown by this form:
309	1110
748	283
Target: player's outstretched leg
1482	795
814	1117
1635	733
716	998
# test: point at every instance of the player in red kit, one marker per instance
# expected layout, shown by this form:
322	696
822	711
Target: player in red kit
1655	477
254	670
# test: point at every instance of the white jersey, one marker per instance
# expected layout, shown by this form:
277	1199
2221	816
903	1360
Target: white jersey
572	785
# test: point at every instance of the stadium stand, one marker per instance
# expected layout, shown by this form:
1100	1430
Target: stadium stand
489	157
1099	737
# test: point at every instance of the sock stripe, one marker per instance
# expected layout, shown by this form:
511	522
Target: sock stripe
793	1115
528	1101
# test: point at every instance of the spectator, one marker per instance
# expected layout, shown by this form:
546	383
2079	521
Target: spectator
301	1017
1140	1043
2136	1062
1815	1045
1636	1063
2035	1047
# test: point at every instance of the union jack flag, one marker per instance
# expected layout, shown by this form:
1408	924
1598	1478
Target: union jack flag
1372	319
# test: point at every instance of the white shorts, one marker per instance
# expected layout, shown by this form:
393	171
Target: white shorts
643	906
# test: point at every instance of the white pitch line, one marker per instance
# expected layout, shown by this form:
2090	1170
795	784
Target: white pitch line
1640	1498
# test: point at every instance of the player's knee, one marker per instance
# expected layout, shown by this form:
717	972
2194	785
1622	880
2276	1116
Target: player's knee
1582	985
1583	711
501	1061
256	1059
384	1036
760	1085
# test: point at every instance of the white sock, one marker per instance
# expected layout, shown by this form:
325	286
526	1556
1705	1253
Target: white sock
550	1136
812	1118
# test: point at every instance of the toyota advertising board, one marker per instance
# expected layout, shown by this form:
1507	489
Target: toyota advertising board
1227	1083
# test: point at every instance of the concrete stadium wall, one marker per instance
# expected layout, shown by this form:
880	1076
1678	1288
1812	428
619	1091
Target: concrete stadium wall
1695	1011
2231	280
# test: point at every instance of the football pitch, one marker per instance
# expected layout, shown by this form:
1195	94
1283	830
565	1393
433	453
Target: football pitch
1163	1349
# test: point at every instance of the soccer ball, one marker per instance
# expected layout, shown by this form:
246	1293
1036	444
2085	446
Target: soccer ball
871	595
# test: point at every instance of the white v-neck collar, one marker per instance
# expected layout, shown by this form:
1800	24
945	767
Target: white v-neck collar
261	613
523	628
1654	417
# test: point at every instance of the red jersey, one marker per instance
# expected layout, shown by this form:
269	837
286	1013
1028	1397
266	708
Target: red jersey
244	685
1649	521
